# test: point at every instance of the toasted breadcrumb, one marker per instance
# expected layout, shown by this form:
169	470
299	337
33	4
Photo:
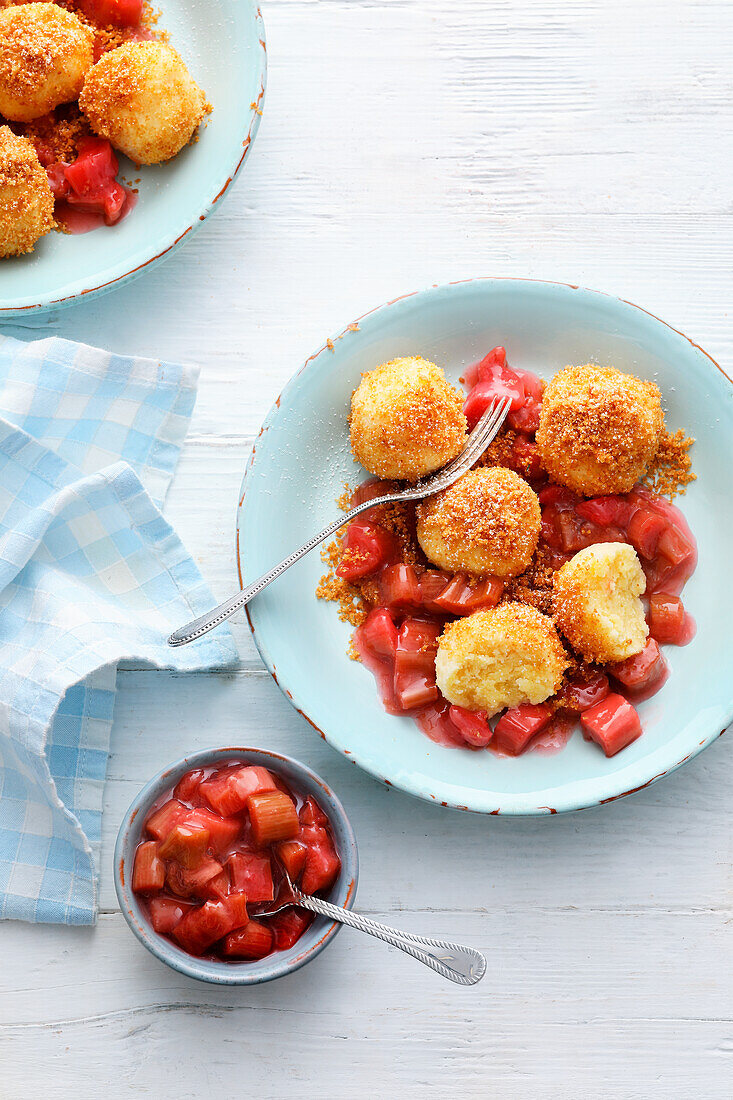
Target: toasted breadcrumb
671	471
534	586
56	136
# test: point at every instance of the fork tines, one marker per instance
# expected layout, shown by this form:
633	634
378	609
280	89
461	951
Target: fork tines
479	439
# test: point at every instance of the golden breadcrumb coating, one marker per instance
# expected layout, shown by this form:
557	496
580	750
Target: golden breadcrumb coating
45	52
596	602
142	98
486	522
508	655
26	201
406	420
599	429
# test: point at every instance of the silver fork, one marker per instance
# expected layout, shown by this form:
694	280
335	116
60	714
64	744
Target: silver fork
462	965
476	444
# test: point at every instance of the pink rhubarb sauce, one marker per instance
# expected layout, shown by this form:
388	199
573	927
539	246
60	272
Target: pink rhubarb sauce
398	640
86	191
211	856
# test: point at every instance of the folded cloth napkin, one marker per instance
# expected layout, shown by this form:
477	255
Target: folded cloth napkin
90	574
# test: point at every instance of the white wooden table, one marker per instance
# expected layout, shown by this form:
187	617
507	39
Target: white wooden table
407	142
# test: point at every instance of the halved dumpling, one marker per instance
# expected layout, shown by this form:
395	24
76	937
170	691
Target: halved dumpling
596	601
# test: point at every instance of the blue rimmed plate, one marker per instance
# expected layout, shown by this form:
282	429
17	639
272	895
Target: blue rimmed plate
223	44
302	459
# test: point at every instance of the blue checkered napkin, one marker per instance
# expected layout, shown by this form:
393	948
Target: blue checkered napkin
90	573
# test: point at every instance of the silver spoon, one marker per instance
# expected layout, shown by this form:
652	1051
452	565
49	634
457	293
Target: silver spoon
476	444
462	965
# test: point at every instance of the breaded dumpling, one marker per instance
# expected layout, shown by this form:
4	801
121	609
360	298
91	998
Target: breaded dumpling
406	421
596	602
486	522
142	98
599	429
45	52
26	201
502	657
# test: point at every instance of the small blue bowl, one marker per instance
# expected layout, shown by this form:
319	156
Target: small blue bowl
320	933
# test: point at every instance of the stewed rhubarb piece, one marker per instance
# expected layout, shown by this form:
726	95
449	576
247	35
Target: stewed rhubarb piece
218	886
675	546
162	822
643	671
398	587
414	687
187	786
472	726
118	13
495	379
251	872
227	794
518	725
461	598
254	941
527	417
273	816
311	813
367	547
291	854
613	724
92	184
644	530
379	633
186	843
583	691
432	583
148	874
193	882
667	618
609	511
236	906
223	831
493	361
166	913
417	644
203	926
288	927
322	864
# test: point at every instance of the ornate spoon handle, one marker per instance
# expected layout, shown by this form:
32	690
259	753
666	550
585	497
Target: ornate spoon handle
462	965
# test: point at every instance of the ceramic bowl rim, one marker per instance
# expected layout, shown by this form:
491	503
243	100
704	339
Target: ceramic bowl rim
410	786
173	240
220	973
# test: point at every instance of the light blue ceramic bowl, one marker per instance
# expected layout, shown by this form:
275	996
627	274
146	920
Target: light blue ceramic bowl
302	458
314	939
223	44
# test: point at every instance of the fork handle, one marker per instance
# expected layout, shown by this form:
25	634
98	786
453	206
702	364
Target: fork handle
198	627
462	965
